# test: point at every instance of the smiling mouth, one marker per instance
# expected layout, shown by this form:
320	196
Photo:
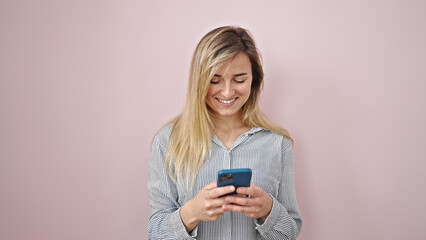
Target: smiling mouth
227	101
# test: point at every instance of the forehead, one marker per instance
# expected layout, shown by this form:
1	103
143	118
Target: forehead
239	64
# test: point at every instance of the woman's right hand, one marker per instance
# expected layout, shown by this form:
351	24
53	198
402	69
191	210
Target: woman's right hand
206	206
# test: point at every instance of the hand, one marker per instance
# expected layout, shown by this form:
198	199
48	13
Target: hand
206	206
252	201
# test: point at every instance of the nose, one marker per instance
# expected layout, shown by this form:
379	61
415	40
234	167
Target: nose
228	90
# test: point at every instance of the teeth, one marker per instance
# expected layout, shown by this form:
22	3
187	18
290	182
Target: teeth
227	101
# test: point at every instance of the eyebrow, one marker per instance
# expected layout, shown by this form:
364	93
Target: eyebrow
235	75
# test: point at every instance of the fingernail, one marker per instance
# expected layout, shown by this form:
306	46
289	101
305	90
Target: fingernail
231	188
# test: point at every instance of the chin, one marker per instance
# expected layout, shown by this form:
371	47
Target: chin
226	114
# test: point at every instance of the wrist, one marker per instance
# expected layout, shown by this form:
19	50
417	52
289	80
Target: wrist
270	204
189	220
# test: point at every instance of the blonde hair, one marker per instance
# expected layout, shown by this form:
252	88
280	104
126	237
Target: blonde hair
192	132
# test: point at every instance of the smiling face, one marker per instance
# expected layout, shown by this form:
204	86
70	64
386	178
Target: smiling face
230	87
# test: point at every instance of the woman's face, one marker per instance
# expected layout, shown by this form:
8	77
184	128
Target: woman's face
230	87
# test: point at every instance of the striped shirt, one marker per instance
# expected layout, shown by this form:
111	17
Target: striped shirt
268	154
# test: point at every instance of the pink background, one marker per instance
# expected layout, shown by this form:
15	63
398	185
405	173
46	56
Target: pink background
84	86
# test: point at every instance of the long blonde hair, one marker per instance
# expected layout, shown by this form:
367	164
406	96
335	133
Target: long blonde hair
192	132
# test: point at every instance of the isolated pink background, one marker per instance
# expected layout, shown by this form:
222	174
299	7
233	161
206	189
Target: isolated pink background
84	86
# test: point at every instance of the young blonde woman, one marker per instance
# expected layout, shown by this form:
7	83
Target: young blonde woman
221	127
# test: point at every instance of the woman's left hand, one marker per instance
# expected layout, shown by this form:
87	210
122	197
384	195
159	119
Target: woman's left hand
257	205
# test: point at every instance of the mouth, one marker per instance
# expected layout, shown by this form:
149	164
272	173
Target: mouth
229	101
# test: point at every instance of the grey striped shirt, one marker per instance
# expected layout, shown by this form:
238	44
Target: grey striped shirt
268	154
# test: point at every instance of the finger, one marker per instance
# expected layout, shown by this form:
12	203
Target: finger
214	203
240	195
215	213
211	185
242	201
237	208
220	191
250	191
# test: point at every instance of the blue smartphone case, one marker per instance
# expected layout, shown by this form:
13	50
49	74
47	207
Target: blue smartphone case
239	177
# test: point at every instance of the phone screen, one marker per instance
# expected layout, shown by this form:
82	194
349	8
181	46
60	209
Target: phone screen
238	177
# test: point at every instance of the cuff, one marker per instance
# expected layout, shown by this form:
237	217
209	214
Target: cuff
178	227
272	218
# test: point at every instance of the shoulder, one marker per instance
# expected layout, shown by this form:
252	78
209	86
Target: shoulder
268	133
275	137
163	135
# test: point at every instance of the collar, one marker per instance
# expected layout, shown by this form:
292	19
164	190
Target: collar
240	139
254	130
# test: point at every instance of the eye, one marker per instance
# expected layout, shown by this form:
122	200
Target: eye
215	80
240	80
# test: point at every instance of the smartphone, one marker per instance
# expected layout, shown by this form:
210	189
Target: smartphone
239	177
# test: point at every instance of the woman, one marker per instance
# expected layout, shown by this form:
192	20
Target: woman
222	127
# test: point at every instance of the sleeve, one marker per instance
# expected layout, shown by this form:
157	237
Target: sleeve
284	220
164	221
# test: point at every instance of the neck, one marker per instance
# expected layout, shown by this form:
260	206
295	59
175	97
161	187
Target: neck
228	123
